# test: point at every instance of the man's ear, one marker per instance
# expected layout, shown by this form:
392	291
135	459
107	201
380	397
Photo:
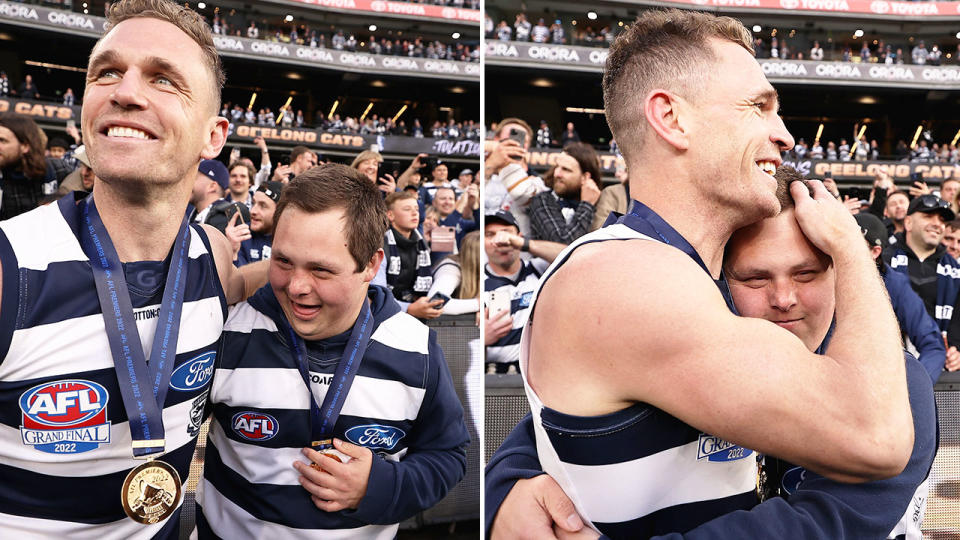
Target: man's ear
373	266
664	112
217	137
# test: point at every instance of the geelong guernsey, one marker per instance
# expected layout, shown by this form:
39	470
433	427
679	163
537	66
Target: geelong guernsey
520	289
402	406
637	472
64	437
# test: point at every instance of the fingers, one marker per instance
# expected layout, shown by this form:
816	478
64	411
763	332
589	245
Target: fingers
558	505
350	449
327	506
233	219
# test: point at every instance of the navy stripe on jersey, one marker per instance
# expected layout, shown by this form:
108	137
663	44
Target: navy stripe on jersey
493	281
81	499
626	435
213	277
512	338
51	306
11	294
679	519
289	505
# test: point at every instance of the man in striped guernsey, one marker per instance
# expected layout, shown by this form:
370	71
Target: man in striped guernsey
400	430
649	403
149	118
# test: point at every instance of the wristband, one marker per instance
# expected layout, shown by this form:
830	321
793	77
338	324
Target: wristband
526	244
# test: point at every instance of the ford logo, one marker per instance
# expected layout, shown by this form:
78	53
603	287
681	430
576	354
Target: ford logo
375	436
193	374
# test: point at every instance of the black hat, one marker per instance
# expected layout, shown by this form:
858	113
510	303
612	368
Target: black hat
872	228
502	216
271	189
58	142
929	204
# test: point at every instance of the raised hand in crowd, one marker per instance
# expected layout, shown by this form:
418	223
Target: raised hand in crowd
589	191
852	204
387	184
496	327
74	133
282	174
407	175
424	308
236	232
500	154
919	188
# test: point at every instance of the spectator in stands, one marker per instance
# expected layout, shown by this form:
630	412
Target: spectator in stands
27	89
831	151
613	198
252	31
368	162
301	159
211	185
816	52
68	97
299	120
456	279
863	149
241	183
948	192
252	243
406	267
509	284
57	147
27	173
543	135
522	27
565	213
933	58
919	53
540	32
438	179
463	180
250	117
843	151
816	150
4	84
509	186
488	25
569	135
81	178
895	210
951	238
456	214
557	33
933	273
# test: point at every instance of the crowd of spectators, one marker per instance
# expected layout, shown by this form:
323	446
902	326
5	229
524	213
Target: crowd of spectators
235	24
859	50
922	152
369	125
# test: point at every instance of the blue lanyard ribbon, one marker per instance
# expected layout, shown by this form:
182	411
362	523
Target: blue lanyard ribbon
643	219
144	410
323	417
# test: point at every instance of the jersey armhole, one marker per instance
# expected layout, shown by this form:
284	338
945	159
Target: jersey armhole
217	285
10	297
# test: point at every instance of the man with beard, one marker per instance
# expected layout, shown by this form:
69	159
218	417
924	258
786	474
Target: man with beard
241	180
566	212
27	174
253	242
895	211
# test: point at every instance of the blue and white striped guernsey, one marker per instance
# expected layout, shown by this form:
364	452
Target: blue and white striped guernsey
64	437
520	288
402	406
637	472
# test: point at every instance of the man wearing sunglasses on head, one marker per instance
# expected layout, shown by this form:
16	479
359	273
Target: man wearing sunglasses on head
934	273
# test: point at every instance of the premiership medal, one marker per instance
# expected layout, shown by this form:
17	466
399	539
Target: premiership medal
326	448
151	492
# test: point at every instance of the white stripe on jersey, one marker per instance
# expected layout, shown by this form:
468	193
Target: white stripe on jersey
912	521
232	521
24	528
368	397
51	348
257	464
403	332
597	485
243	318
109	458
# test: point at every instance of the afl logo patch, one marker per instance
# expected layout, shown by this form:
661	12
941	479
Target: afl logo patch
65	417
255	426
193	374
716	449
375	436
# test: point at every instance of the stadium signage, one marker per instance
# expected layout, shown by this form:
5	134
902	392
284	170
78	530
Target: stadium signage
864	171
35	109
66	21
883	8
344	141
401	9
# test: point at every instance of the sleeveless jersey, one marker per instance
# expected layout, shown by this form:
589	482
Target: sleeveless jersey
65	443
520	290
637	472
401	402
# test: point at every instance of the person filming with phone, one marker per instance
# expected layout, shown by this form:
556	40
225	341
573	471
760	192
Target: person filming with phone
509	184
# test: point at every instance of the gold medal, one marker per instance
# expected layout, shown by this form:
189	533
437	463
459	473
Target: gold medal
151	492
326	448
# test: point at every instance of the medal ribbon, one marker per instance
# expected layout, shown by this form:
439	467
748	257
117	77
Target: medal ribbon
324	417
144	410
644	220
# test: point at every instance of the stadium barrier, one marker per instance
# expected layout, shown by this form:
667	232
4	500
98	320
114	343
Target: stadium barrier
505	404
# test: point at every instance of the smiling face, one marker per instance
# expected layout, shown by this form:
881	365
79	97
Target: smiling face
736	134
240	181
896	208
149	111
924	230
261	213
776	274
369	168
503	257
445	201
314	276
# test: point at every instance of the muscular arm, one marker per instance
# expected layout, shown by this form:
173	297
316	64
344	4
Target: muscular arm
747	381
238	283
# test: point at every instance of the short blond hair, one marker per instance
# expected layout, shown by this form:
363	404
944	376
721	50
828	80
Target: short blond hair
185	19
365	155
663	48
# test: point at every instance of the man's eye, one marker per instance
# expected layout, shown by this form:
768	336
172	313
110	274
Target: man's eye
163	81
